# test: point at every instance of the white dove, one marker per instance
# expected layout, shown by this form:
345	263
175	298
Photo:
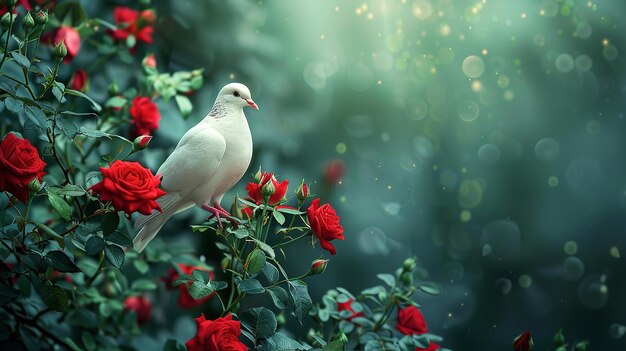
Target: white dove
208	160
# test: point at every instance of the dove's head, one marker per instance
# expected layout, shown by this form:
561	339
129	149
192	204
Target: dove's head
237	94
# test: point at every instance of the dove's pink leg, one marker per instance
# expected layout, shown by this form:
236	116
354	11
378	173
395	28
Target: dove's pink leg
218	212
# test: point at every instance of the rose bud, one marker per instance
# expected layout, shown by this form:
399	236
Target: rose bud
559	338
268	189
79	80
318	267
407	278
114	89
303	192
225	263
28	22
6	20
343	338
141	306
409	264
141	142
60	51
150	61
523	342
42	17
34	185
258	175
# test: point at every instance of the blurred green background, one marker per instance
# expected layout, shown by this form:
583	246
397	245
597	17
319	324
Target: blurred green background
484	137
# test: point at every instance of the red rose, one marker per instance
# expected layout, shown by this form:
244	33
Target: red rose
19	165
145	115
221	334
185	300
141	306
325	224
70	37
411	321
132	22
523	342
246	212
79	80
150	61
431	347
347	306
334	171
255	190
130	186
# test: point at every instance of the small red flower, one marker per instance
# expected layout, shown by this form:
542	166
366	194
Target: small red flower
185	300
221	334
70	37
130	186
523	342
411	321
334	171
325	224
141	306
79	80
142	141
132	22
347	306
145	115
19	165
255	189
150	61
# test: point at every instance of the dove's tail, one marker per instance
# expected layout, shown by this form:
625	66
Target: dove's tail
150	225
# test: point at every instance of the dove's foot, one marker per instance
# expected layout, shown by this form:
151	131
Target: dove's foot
218	212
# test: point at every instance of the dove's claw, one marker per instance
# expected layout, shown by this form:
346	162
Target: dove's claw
218	212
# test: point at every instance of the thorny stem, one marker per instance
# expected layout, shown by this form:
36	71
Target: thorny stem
292	240
387	310
44	331
6	43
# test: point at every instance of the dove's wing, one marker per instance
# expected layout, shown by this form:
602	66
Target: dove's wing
194	161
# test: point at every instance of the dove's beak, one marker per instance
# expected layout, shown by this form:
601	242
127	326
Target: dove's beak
252	104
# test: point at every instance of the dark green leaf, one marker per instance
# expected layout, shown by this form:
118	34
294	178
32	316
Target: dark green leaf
96	105
109	222
61	262
279	342
280	218
115	255
173	345
388	279
271	272
67	127
255	261
14	105
336	345
143	284
430	288
71	190
36	116
251	286
94	245
119	238
54	297
184	105
29	338
199	290
265	247
93	133
141	266
218	285
291	211
261	321
116	101
60	206
279	296
21	59
57	91
201	275
301	299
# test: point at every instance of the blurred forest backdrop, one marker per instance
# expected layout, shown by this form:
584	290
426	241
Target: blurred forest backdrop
485	137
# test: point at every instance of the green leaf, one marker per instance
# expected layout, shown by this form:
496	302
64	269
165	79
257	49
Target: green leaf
94	245
261	321
54	297
279	296
336	345
57	91
199	290
96	105
430	288
184	105
388	279
61	262
251	286
109	222
255	261
240	232
60	206
115	255
88	341
141	266
280	342
93	133
143	285
71	12
301	299
50	232
116	101
271	272
14	105
119	238
290	211
265	247
71	190
280	218
36	116
173	345
21	59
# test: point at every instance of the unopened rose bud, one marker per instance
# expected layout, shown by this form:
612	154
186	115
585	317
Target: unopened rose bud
141	142
34	185
318	267
225	263
303	191
280	320
407	278
60	51
409	264
382	296
559	338
150	61
41	18
6	20
343	338
28	22
114	89
257	175
268	189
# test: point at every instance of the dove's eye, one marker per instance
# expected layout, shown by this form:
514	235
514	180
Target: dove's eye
236	93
